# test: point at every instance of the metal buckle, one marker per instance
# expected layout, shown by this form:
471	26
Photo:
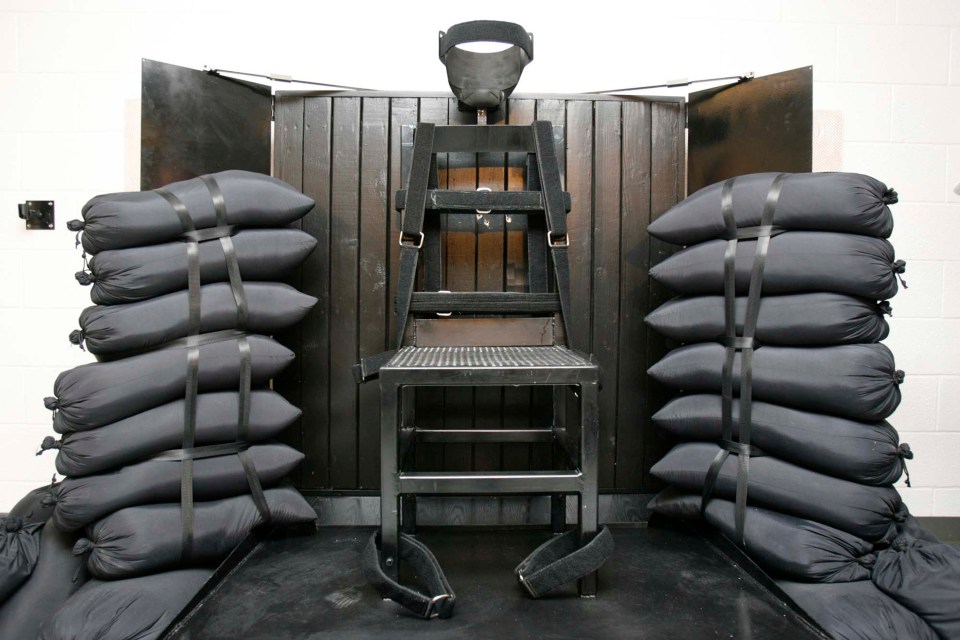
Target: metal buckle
525	585
444	314
414	246
563	242
431	611
485	210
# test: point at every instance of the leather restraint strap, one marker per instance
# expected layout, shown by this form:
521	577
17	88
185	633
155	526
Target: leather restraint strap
562	559
439	600
745	344
485	80
549	172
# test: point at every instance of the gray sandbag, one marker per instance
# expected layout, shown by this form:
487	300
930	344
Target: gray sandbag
95	394
911	529
56	576
137	218
117	330
146	539
785	545
864	452
82	501
856	381
867	512
19	550
840	202
857	611
925	578
37	506
797	262
82	453
129	275
799	320
135	609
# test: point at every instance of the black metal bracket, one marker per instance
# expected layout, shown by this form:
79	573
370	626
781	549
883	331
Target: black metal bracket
38	214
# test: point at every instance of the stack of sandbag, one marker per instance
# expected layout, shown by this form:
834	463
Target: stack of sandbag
167	442
784	446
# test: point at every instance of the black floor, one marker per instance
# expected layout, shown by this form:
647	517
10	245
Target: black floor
660	583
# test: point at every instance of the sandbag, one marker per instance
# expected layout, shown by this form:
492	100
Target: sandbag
856	381
147	539
82	501
864	452
841	202
130	275
910	530
130	328
82	453
138	608
797	262
57	574
785	545
857	611
800	320
95	394
137	218
925	578
37	506
19	550
866	512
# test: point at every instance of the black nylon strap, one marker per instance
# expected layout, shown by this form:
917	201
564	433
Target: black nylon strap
213	233
439	600
178	207
256	490
562	559
229	252
186	467
199	453
486	31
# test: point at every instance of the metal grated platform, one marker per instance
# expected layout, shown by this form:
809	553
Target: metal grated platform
486	357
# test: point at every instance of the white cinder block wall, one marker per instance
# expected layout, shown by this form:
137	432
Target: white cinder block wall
887	81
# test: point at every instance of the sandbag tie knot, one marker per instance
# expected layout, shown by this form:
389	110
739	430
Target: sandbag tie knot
75	225
51	403
85	278
83	546
905	451
76	337
12	523
48	500
899	268
890	196
899	375
885	308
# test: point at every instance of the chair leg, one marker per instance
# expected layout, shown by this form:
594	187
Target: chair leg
589	452
389	480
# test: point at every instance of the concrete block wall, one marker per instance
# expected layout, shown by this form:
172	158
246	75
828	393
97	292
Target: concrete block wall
888	71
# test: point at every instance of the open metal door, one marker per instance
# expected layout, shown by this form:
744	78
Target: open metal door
761	124
192	123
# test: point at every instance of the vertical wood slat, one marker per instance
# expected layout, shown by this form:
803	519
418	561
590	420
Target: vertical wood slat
288	161
429	400
460	262
344	300
666	157
632	405
315	328
373	263
606	277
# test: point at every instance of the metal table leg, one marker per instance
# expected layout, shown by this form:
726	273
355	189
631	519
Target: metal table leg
589	452
389	480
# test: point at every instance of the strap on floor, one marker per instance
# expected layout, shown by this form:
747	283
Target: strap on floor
440	599
561	560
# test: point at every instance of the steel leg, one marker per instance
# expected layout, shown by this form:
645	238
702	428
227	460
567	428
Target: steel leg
589	447
389	482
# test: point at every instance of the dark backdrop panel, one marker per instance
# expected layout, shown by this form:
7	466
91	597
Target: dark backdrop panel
623	164
763	124
192	123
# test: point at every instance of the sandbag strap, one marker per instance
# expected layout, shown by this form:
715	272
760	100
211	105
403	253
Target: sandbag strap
752	233
178	207
256	489
199	453
229	251
213	233
186	466
439	600
562	559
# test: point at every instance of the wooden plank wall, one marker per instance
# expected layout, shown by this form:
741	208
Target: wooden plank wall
623	164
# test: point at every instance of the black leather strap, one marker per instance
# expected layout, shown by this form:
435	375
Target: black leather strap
437	602
561	560
486	31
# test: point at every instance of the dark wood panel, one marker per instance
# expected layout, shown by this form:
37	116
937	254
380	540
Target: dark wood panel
344	298
632	406
314	356
623	164
374	157
288	166
606	277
